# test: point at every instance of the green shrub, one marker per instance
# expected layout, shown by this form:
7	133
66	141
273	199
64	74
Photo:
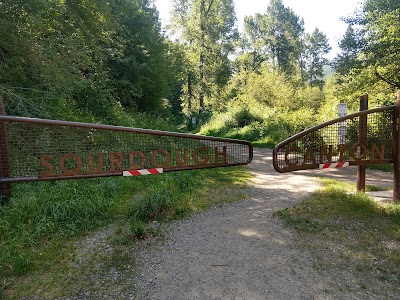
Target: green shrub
244	117
259	123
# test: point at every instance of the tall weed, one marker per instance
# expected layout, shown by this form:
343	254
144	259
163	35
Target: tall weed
153	206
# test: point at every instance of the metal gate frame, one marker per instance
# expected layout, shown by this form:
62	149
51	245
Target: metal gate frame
287	157
40	150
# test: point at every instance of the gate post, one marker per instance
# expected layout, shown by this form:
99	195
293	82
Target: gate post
396	154
362	139
5	188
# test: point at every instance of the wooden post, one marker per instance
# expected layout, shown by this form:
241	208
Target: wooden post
5	188
396	150
362	139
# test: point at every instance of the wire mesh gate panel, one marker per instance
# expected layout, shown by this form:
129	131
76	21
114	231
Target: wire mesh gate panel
362	138
36	149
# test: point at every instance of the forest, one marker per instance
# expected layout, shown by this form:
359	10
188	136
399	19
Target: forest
111	62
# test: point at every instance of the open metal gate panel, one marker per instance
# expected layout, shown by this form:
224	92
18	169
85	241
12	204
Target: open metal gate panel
38	149
361	138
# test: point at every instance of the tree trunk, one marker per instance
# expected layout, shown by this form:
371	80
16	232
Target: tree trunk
201	62
190	91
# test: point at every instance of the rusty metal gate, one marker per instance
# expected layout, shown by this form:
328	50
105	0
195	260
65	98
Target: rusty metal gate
363	138
37	149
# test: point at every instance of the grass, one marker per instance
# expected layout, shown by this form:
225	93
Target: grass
381	167
348	187
40	228
264	143
350	234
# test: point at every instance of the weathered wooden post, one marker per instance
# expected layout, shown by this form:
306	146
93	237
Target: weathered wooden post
396	148
362	140
5	188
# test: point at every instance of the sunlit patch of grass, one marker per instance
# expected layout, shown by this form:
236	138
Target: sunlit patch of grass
376	188
330	183
264	143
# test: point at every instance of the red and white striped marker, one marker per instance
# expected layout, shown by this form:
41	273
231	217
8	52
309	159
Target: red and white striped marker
334	165
143	172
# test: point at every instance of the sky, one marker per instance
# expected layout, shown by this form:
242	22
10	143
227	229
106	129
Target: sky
323	14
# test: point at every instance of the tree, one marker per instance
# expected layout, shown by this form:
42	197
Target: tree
283	30
350	45
253	48
207	30
269	88
137	65
375	44
176	60
274	37
316	47
52	55
74	58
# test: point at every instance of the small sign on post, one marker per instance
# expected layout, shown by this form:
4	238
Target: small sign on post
342	129
342	109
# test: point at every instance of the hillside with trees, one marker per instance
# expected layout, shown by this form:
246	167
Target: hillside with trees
82	59
106	61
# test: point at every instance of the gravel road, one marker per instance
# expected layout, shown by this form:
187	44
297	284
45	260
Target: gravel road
240	251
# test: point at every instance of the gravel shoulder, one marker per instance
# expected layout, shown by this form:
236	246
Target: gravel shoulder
240	251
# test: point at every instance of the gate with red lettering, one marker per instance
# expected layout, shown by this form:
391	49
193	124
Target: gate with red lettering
37	149
366	137
340	140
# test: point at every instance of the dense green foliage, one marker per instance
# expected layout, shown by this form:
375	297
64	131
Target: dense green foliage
207	30
282	70
80	59
371	51
95	61
267	126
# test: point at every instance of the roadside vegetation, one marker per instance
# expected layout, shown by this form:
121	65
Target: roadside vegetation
350	233
39	226
90	62
262	125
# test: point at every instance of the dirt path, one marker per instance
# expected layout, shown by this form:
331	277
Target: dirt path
240	251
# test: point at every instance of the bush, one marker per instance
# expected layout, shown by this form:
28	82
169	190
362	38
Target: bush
259	123
244	117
